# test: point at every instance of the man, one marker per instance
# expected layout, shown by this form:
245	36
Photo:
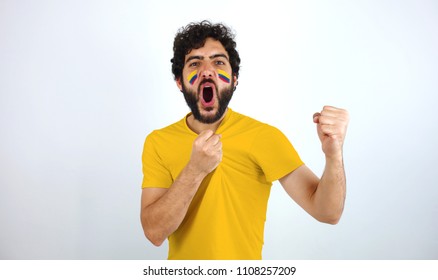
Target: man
207	178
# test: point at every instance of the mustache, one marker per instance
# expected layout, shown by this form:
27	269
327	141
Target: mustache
206	81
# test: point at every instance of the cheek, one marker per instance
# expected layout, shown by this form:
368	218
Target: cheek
224	76
192	77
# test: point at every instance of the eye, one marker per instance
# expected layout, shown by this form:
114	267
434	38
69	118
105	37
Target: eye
194	64
219	62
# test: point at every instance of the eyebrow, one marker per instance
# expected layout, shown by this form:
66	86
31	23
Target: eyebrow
200	57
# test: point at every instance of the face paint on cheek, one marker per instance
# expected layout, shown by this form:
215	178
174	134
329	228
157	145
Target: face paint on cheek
192	77
224	76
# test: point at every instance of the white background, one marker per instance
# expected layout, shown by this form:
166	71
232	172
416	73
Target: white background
83	82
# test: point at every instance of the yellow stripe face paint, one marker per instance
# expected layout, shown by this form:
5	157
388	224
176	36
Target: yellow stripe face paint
192	77
224	76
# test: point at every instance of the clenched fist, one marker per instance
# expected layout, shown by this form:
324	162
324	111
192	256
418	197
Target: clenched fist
206	152
332	127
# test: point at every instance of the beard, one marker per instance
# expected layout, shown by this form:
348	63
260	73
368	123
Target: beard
223	98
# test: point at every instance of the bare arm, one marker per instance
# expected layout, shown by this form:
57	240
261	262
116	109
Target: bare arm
323	199
163	210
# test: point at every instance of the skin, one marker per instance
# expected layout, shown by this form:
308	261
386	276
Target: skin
323	198
163	210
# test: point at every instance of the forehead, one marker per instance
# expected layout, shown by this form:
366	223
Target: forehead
210	47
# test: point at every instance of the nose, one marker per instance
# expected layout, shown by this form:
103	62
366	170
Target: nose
207	71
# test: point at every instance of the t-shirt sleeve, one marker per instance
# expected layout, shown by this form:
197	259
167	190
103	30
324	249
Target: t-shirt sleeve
155	173
274	153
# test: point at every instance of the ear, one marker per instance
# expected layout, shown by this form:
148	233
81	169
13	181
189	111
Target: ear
178	83
235	80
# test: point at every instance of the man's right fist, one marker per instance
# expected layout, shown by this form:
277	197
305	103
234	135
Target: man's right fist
206	152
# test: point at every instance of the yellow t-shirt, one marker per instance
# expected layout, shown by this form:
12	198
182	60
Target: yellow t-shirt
226	217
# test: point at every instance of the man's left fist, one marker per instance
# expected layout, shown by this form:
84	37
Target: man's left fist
332	125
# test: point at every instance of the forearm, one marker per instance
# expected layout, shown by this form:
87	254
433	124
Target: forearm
162	217
329	197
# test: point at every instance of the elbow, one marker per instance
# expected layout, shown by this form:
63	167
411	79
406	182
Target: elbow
329	219
152	233
156	242
155	238
332	221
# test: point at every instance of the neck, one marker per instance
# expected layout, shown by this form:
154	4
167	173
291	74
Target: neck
198	126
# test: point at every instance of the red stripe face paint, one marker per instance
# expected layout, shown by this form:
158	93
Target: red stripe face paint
224	76
192	77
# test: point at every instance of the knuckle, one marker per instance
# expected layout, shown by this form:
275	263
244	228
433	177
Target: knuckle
205	149
327	108
197	142
325	127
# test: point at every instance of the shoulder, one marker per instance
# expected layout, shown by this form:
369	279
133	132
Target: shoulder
263	134
263	129
167	131
251	123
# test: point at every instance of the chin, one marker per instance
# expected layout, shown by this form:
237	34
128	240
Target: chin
209	115
209	110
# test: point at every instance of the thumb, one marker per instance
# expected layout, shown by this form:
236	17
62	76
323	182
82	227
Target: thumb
316	117
204	135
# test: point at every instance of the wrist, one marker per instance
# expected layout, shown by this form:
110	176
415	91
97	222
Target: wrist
335	158
194	172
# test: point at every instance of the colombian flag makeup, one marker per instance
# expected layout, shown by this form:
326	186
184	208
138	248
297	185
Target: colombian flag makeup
192	77
224	76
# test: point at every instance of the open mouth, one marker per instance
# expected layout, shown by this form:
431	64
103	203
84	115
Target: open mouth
207	94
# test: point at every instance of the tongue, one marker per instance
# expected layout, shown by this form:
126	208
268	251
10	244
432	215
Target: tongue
207	96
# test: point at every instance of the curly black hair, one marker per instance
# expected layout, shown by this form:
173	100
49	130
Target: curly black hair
194	35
